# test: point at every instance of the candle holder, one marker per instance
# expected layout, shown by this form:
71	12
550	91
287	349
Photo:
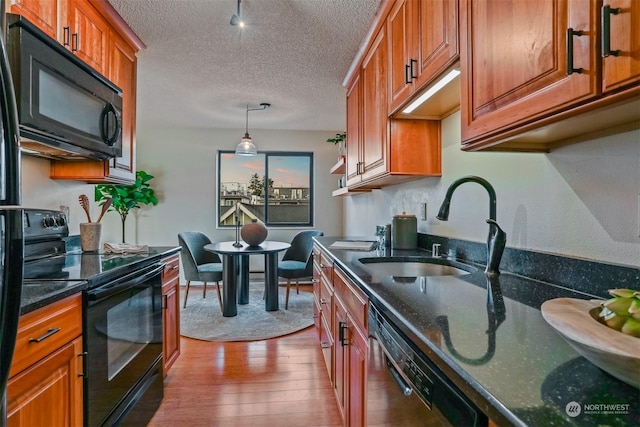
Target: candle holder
237	244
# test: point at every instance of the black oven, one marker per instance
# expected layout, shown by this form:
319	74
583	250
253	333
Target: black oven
405	389
123	345
65	108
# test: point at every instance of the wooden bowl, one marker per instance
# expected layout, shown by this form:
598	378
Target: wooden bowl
612	351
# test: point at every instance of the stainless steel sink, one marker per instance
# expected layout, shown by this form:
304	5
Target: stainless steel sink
416	267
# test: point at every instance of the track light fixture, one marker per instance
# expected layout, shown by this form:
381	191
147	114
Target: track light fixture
236	19
246	146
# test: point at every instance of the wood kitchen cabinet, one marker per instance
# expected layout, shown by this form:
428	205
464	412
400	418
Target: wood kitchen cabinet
423	42
48	15
381	150
341	318
170	311
621	62
351	349
121	170
46	378
323	305
87	34
529	64
94	32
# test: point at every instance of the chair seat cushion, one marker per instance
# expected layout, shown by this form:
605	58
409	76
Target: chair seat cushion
291	269
210	272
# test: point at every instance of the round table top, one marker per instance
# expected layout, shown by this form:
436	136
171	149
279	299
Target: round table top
227	248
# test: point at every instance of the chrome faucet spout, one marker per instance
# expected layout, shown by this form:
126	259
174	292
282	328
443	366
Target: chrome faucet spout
497	237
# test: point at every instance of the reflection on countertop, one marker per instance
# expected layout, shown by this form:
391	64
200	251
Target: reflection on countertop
489	338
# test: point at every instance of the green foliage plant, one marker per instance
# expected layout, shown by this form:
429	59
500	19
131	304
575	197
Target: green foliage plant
340	137
127	197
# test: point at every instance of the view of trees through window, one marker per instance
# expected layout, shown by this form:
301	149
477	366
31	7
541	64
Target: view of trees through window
275	188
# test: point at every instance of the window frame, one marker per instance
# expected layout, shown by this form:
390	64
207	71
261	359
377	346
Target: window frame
267	154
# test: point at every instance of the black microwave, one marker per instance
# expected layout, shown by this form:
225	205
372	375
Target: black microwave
66	109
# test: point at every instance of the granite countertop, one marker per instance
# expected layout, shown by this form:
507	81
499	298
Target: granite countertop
490	339
87	271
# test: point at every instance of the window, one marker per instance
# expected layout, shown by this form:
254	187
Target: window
273	187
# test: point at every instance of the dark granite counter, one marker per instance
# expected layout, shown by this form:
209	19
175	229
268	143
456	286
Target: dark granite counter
84	271
490	339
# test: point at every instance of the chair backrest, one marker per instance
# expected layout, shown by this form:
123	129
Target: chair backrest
301	247
193	254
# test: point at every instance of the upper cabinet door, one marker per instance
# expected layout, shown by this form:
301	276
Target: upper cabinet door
89	34
423	42
374	108
620	44
523	60
403	63
437	37
43	14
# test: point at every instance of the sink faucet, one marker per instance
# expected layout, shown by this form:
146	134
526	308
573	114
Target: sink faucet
497	237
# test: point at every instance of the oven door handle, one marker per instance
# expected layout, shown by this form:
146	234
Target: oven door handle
123	284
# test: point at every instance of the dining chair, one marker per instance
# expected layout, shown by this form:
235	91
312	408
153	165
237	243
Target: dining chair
296	263
199	265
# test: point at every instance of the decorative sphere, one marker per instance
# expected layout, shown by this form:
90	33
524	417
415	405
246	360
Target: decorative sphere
254	233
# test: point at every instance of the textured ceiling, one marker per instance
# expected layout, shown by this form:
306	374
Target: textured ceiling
199	71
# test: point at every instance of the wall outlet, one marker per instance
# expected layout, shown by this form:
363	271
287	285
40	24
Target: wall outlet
423	211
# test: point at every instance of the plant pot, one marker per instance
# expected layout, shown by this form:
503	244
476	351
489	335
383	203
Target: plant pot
254	233
342	148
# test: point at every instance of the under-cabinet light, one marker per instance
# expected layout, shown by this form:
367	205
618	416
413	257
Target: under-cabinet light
432	90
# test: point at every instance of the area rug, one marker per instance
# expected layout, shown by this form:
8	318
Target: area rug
202	318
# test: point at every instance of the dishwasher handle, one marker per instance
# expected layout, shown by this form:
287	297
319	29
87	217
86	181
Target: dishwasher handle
404	387
126	282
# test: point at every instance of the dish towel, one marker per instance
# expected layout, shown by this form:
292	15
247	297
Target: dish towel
125	248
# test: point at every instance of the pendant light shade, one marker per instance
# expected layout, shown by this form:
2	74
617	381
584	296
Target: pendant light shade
246	146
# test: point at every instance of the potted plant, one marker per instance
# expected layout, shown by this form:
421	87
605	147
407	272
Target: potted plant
340	140
127	197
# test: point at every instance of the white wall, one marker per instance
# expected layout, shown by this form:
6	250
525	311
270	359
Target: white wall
183	162
581	200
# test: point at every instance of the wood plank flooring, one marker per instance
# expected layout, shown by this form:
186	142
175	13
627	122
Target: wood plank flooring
277	382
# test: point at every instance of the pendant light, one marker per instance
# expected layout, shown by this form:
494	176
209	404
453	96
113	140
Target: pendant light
246	146
236	19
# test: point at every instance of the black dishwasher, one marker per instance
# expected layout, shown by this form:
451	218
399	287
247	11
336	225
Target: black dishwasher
405	389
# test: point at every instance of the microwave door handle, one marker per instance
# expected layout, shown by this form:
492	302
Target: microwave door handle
108	110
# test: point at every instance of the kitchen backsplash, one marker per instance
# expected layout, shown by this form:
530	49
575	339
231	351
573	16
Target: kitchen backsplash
590	277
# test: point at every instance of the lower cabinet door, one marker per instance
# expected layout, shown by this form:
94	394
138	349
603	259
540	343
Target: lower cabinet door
49	393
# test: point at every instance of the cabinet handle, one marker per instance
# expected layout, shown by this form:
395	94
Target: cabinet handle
66	35
342	333
75	45
570	33
314	280
84	364
413	62
407	75
323	301
325	344
50	332
607	11
165	302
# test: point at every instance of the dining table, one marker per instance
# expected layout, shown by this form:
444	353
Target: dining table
235	272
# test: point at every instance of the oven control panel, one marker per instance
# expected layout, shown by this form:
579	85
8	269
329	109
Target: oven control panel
42	224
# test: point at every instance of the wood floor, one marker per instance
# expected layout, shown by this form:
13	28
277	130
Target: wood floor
277	382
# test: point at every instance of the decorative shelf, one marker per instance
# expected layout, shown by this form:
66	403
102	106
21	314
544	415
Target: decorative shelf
339	168
349	191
